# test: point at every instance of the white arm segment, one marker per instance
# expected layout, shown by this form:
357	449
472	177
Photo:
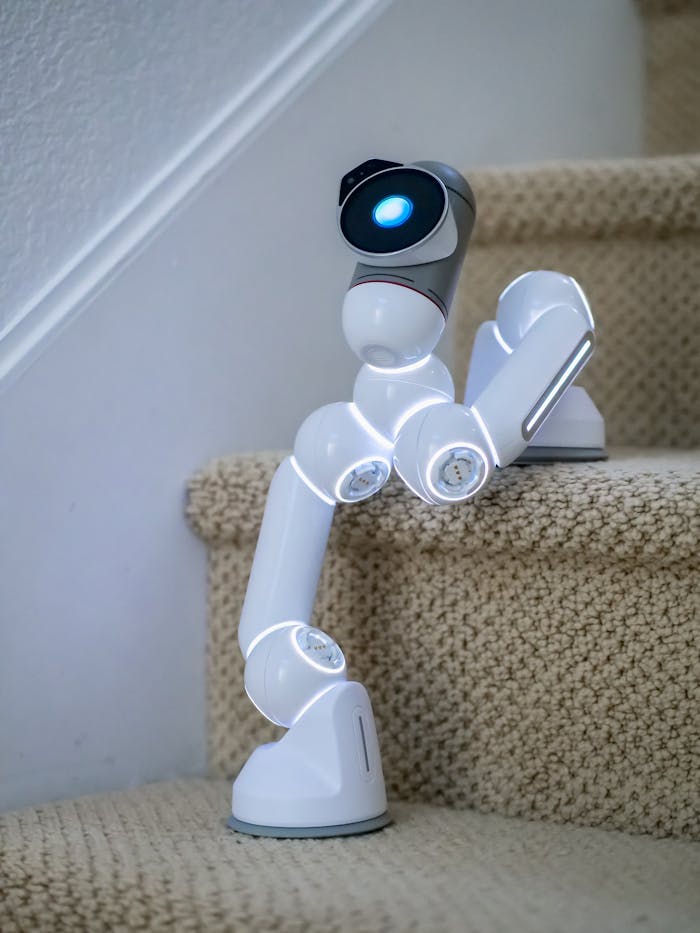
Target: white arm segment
288	558
531	381
523	362
289	664
489	353
326	770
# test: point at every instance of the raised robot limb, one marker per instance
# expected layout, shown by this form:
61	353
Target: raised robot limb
447	453
574	429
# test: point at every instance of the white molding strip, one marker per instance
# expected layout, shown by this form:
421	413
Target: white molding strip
69	292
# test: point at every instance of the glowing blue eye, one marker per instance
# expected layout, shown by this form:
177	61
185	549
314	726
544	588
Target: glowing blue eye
392	211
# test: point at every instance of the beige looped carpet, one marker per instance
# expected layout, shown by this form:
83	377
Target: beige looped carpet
159	859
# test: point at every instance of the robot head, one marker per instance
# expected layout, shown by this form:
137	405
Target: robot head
410	225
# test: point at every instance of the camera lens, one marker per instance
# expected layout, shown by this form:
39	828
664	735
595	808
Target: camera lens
393	210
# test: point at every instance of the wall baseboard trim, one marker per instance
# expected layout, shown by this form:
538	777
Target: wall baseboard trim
70	291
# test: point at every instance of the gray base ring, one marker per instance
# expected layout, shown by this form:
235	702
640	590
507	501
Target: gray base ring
550	454
309	832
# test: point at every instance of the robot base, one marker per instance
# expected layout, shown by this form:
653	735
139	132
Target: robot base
323	778
310	832
574	431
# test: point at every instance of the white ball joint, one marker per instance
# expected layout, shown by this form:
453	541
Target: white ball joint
442	454
289	669
339	456
390	326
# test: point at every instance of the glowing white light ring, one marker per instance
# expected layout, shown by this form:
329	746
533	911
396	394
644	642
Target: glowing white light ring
584	302
499	337
369	427
314	699
273	628
409	367
312	486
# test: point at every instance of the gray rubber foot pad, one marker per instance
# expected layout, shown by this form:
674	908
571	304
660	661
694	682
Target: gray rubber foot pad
551	454
310	832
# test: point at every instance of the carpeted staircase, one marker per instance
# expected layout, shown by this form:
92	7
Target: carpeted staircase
533	657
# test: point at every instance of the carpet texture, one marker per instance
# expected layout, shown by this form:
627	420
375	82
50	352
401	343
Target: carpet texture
629	231
534	652
159	858
672	60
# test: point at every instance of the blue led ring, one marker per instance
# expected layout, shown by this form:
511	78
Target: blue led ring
392	211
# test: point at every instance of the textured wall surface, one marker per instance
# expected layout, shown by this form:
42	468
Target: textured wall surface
97	97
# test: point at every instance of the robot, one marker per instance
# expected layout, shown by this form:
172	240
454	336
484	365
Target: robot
410	226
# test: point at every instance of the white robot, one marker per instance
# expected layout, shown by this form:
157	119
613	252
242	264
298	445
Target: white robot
410	225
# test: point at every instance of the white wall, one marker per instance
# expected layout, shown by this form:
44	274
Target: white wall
98	97
219	335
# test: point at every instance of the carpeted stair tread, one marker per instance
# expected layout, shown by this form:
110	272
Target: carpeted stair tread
642	504
159	858
535	652
647	198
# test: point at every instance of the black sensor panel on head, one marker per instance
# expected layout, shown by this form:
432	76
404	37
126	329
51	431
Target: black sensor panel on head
420	188
354	177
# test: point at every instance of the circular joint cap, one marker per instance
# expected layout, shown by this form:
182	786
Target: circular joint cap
363	481
458	472
319	648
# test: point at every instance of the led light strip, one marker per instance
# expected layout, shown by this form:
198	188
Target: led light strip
397	370
556	390
312	702
265	632
307	482
499	337
367	426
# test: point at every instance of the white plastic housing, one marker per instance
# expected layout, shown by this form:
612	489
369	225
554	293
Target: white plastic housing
529	296
388	399
288	557
575	422
426	443
326	771
525	389
283	679
489	353
332	444
389	325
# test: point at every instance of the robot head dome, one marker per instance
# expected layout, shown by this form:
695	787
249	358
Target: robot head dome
391	214
410	225
389	325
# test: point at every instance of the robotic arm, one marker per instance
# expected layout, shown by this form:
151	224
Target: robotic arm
410	226
544	329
